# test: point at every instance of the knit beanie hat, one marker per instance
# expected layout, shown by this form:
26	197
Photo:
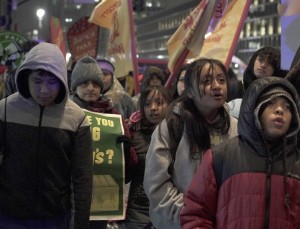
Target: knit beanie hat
105	65
86	69
270	95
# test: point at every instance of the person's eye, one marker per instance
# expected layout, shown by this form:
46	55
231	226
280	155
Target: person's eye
206	81
287	107
222	80
160	103
37	81
54	81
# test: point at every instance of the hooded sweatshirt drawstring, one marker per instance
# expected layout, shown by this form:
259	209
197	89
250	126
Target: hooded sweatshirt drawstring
286	193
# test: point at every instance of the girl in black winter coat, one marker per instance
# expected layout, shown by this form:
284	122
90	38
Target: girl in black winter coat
152	102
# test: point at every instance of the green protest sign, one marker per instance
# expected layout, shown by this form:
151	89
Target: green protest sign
108	167
11	48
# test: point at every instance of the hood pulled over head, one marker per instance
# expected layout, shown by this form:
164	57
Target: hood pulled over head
257	95
44	56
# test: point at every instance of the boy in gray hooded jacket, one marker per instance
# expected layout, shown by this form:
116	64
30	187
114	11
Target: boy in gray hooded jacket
46	151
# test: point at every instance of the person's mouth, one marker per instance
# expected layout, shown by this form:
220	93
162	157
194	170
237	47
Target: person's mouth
217	96
278	121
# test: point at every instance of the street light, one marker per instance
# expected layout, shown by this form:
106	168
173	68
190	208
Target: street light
40	14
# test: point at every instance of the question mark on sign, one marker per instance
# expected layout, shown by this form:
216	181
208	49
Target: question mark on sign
110	154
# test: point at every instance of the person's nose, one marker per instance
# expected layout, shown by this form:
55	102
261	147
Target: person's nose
90	86
215	84
263	64
153	106
279	109
44	88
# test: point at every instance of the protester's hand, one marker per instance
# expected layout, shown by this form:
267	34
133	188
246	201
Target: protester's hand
126	142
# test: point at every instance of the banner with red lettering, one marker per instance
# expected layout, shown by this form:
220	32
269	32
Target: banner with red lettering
190	34
83	38
188	39
222	42
103	13
117	16
57	36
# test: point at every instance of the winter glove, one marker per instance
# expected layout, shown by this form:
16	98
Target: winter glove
126	142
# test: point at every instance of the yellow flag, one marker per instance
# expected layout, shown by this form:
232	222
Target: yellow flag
114	15
190	34
222	42
103	13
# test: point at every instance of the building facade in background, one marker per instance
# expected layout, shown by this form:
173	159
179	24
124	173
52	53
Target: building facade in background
155	22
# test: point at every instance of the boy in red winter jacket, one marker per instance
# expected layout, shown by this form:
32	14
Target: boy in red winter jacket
252	180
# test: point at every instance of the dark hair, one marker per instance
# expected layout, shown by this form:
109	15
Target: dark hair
149	73
182	114
28	45
161	90
234	86
272	57
174	91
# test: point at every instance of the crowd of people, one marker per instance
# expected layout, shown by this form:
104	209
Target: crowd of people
210	152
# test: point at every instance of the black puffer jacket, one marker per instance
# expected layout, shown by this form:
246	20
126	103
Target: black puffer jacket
137	213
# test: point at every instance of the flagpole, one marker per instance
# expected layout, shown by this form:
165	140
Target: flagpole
177	67
133	48
237	34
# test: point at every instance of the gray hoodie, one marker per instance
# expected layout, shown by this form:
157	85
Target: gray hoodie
45	150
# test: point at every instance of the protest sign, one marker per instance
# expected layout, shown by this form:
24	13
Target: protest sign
108	167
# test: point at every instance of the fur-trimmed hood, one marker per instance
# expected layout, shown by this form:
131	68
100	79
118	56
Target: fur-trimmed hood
247	127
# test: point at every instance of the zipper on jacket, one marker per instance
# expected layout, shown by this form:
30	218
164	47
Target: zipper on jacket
268	190
38	157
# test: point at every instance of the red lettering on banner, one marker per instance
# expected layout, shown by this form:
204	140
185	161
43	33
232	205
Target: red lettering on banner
213	38
111	9
223	24
116	49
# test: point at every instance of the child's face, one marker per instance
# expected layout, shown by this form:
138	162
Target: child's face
107	80
211	93
155	81
262	68
154	106
88	91
44	87
276	118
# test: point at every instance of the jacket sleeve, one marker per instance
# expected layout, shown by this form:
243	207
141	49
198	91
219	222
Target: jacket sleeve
82	177
166	201
200	199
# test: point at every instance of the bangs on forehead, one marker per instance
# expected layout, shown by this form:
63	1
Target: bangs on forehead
155	92
208	72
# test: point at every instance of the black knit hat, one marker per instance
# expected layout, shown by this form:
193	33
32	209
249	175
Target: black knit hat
270	95
86	69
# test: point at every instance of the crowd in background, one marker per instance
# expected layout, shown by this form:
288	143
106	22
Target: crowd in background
213	151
